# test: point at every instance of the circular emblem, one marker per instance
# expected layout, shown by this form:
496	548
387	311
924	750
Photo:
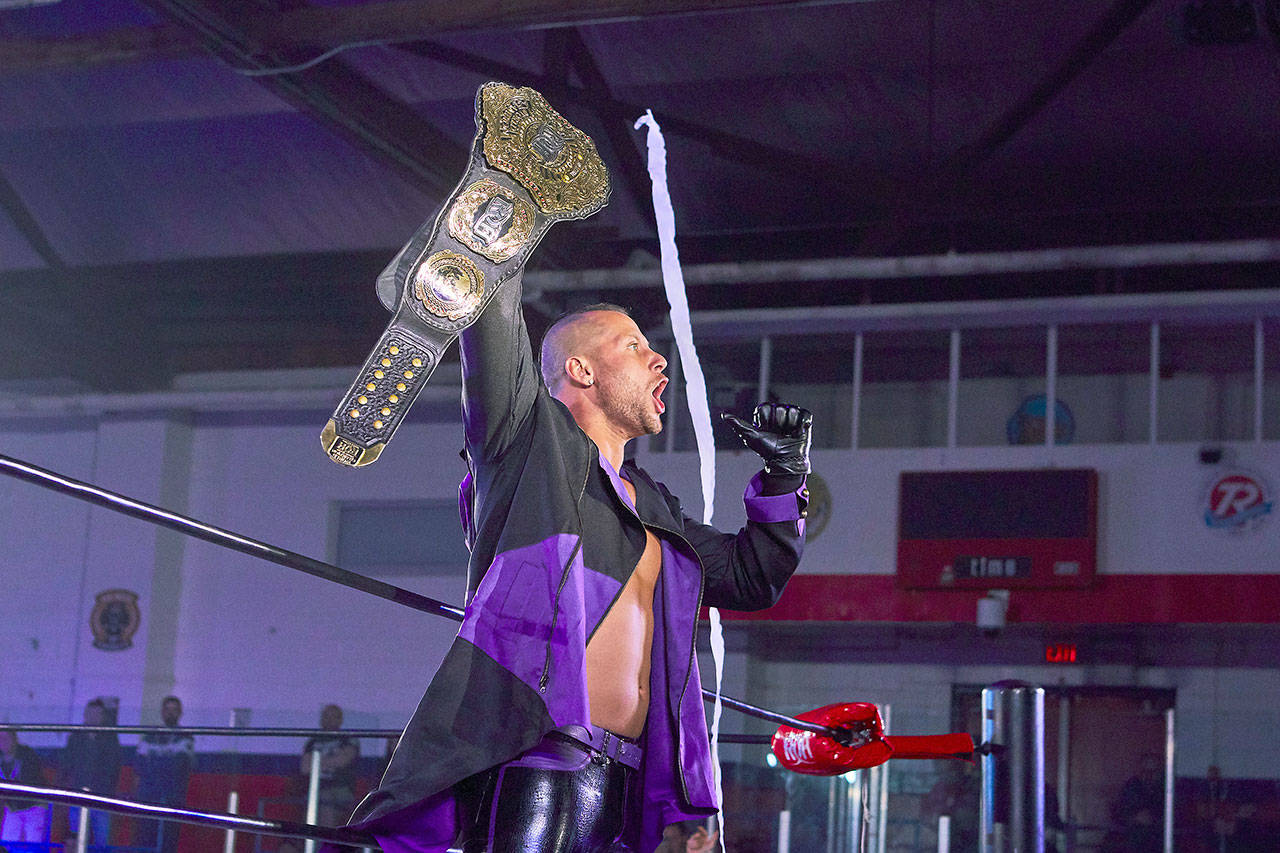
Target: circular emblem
114	619
1028	423
449	285
491	220
1237	501
819	506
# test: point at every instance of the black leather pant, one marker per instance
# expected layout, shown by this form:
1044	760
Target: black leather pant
559	797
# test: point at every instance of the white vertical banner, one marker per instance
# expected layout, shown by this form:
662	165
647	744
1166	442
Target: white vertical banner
695	392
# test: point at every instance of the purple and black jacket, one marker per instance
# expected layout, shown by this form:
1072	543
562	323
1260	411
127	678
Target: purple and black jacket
554	537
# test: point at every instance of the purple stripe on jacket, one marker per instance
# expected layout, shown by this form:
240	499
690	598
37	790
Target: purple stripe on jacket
512	615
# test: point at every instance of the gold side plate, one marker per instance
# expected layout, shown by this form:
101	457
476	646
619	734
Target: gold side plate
449	285
491	220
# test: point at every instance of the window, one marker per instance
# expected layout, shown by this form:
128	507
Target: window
400	538
904	389
1104	380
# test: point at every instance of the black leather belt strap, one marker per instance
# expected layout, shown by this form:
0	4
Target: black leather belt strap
605	742
529	168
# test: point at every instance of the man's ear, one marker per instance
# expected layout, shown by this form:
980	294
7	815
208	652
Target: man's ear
579	371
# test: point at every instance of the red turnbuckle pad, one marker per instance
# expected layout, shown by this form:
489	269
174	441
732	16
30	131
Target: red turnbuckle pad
858	741
819	755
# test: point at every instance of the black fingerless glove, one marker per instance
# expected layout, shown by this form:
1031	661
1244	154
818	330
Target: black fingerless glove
780	434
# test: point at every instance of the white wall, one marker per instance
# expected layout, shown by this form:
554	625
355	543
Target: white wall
225	630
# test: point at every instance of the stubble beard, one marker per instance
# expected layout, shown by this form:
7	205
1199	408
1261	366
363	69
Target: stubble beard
631	407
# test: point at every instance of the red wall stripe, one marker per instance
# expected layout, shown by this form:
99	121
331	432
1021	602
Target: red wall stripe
1113	599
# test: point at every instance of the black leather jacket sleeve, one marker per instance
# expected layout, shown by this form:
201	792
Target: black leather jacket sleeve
748	570
500	378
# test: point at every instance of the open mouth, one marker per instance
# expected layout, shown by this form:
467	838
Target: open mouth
657	396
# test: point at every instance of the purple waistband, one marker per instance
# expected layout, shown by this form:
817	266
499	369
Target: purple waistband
605	742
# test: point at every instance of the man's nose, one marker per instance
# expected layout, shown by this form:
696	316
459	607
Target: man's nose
659	363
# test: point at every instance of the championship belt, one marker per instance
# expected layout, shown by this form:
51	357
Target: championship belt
529	169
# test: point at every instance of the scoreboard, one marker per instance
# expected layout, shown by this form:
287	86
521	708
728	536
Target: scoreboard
1010	529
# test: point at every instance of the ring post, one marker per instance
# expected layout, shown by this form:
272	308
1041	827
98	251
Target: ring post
313	798
1012	807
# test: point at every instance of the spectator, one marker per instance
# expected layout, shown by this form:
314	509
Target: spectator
338	755
1138	813
23	820
164	768
91	762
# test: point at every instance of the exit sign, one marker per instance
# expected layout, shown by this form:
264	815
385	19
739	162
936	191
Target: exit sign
1060	653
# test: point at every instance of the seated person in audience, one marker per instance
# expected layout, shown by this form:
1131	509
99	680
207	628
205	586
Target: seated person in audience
91	762
22	820
338	757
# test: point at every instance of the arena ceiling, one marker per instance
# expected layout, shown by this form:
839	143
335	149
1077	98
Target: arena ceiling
183	187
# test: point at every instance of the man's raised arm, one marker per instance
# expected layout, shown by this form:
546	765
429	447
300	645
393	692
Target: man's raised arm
500	377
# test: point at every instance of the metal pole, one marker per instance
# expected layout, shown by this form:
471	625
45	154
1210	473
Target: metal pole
82	834
233	798
1169	744
784	831
882	817
944	833
1153	392
1064	757
233	805
832	822
1125	256
1011	816
313	798
953	388
872	814
1259	376
857	810
857	390
1051	386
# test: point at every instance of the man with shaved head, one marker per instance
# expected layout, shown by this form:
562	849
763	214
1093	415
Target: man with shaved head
567	716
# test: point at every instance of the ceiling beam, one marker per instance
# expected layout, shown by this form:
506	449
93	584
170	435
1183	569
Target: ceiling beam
320	28
730	146
958	169
11	202
332	93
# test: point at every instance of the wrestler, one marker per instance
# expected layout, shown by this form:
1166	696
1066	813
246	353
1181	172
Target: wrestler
567	715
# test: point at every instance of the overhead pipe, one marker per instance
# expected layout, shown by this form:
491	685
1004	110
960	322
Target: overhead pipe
946	265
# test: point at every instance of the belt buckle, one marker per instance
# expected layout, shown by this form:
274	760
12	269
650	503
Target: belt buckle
602	756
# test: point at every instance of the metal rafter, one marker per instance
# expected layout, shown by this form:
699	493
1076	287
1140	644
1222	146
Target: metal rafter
51	328
331	92
959	167
631	166
730	146
320	28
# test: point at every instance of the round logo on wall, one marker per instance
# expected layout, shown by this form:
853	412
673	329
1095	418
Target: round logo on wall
819	507
114	619
1237	501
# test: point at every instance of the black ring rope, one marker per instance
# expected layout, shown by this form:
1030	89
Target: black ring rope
226	731
238	823
218	536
